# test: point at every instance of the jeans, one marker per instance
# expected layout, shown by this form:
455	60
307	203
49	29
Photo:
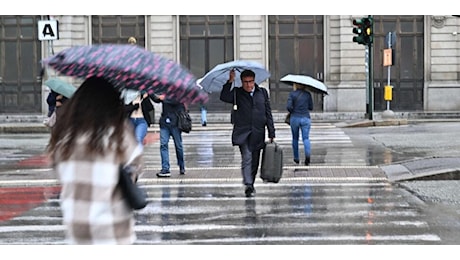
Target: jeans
203	115
303	124
165	133
249	163
140	129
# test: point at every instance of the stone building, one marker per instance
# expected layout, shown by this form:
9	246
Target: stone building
425	74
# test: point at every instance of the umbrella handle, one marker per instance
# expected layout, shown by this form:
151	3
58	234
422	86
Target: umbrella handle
235	107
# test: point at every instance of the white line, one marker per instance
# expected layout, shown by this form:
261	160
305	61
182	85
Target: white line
423	237
143	181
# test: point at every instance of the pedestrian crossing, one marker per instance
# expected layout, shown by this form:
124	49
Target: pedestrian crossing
284	213
213	148
303	210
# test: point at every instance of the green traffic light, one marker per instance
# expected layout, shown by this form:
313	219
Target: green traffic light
364	31
359	30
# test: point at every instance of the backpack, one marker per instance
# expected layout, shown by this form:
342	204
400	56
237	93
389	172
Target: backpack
184	121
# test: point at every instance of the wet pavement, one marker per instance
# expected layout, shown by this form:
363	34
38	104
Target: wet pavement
346	196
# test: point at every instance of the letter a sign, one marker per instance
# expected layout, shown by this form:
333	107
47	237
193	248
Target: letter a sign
48	30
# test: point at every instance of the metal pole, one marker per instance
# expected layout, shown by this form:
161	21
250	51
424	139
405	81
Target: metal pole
366	64
389	69
370	85
371	78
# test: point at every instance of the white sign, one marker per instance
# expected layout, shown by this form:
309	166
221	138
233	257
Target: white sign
48	30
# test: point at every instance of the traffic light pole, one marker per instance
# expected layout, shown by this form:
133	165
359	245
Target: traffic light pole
364	31
370	88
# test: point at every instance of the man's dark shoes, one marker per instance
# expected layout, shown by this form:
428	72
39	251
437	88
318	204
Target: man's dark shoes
296	161
249	191
163	174
307	160
182	172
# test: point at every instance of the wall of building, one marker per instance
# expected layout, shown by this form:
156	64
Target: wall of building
345	69
442	78
345	60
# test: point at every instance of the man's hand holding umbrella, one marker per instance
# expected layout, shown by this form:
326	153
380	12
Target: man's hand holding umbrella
231	77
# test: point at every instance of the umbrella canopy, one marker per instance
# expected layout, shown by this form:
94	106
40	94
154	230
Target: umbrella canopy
61	87
218	76
313	84
129	95
132	67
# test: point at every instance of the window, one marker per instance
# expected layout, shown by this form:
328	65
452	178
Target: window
117	29
205	41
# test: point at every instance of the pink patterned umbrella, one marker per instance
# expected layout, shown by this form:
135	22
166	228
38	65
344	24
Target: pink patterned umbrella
132	67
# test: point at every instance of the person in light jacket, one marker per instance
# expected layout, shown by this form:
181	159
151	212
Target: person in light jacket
86	148
138	112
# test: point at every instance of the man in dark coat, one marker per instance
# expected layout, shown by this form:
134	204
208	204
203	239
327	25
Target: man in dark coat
251	113
168	129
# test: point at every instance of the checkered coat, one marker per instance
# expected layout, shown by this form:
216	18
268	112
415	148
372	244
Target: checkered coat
93	208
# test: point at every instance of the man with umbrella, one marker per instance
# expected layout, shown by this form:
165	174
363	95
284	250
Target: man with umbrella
251	114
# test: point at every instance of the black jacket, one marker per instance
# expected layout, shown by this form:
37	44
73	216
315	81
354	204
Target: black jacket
146	108
251	117
170	109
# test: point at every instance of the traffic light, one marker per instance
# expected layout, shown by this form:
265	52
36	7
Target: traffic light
359	31
369	30
364	31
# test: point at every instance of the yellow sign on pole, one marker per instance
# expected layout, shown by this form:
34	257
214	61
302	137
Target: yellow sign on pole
387	57
388	93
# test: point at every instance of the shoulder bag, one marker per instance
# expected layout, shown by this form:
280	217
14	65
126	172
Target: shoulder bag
184	121
134	195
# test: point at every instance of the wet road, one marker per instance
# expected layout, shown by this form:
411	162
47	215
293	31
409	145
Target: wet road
287	213
215	211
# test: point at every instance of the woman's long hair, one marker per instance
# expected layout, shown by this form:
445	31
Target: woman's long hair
299	86
95	111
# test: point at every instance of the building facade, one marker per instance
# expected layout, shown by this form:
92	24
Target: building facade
425	71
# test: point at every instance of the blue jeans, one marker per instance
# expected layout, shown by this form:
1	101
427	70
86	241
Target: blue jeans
303	124
165	133
140	129
203	115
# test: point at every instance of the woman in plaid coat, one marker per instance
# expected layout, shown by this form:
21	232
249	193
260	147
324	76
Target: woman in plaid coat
87	145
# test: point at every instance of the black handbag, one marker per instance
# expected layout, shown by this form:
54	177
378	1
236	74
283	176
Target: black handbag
287	120
184	121
134	195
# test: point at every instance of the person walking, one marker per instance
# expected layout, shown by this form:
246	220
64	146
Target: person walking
138	112
299	104
250	117
86	148
204	112
51	101
169	128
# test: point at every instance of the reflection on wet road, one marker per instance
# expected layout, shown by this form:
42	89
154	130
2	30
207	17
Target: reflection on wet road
283	213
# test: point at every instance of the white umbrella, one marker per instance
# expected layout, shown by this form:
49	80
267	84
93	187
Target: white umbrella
313	84
129	95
